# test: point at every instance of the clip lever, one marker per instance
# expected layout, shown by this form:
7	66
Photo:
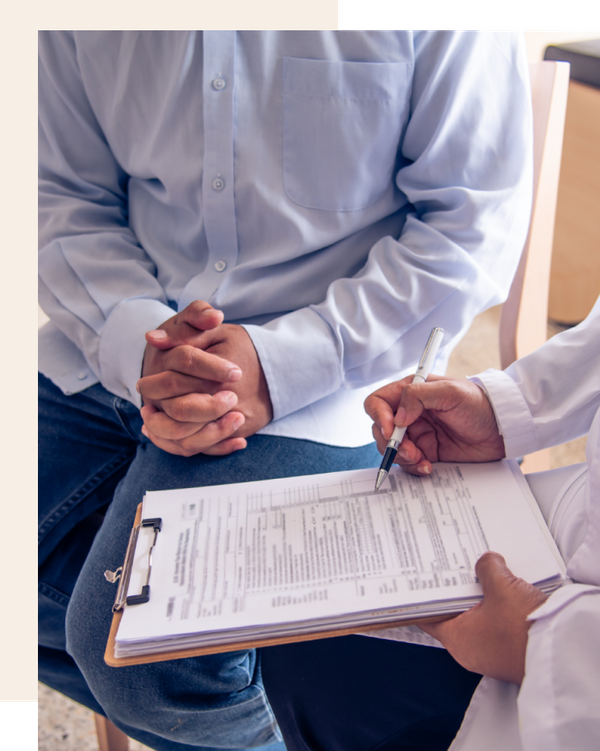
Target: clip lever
122	599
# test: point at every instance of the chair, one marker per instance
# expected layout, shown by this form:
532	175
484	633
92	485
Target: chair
524	315
110	738
575	273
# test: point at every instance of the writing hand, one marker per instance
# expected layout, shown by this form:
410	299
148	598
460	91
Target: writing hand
195	371
491	638
448	419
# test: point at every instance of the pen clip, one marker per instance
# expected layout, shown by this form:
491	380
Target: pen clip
434	340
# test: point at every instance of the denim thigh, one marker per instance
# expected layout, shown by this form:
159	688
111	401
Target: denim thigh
86	442
204	702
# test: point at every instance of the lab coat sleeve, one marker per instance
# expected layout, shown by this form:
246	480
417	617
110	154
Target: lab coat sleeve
552	395
560	696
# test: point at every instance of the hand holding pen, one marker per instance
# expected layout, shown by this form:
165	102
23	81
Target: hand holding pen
423	370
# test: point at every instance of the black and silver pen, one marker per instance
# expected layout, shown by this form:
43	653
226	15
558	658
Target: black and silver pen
425	365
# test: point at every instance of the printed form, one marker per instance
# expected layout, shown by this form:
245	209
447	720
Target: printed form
328	546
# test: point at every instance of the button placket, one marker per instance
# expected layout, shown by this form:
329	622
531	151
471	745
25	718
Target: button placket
218	169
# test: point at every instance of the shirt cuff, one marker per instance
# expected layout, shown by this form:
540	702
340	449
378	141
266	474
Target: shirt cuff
299	360
514	419
122	345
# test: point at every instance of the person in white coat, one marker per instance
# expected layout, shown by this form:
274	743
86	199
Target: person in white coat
539	656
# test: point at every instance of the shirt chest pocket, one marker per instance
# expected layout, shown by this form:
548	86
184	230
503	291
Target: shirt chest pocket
342	125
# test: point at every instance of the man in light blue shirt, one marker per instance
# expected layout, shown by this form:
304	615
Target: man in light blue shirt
288	214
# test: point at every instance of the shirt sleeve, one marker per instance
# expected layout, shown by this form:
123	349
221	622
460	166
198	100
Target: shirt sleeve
465	166
83	222
552	395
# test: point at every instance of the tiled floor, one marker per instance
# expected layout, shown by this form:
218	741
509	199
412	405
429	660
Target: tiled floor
66	726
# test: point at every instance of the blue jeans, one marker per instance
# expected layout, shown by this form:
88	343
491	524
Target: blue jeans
95	466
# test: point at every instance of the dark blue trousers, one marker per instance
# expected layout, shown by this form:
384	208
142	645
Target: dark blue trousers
359	693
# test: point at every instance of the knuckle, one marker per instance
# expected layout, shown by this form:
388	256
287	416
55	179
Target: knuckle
186	356
180	431
168	381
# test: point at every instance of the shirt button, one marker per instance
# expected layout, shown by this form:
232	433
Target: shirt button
219	84
82	376
221	265
218	183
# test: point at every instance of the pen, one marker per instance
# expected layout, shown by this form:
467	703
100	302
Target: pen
425	365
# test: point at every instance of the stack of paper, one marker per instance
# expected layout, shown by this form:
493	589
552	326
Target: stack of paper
305	555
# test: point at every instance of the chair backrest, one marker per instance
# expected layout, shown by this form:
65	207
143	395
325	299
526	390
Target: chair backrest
524	315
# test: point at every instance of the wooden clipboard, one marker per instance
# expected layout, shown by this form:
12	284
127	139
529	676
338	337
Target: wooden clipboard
236	645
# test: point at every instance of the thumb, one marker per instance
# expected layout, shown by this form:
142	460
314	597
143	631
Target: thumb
160	339
500	585
493	573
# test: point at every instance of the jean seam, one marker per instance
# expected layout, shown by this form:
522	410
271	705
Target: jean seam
124	417
83	491
53	594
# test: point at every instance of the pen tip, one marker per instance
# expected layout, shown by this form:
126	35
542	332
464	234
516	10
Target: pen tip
382	474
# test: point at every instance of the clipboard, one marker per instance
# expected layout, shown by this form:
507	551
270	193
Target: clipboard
122	601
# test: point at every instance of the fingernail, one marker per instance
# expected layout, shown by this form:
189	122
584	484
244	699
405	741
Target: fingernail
158	334
424	470
400	418
230	398
234	375
145	431
137	387
403	455
208	312
238	422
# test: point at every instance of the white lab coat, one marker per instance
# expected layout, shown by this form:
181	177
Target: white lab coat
545	399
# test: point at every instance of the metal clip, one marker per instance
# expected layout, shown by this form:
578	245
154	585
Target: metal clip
112	576
122	599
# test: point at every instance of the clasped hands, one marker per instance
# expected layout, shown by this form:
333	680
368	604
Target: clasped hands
202	385
452	420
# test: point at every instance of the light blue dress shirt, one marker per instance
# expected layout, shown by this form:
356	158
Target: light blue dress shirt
337	193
